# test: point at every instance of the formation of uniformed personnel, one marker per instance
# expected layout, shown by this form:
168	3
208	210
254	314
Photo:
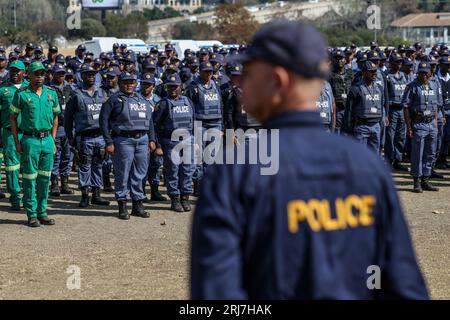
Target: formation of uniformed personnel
83	113
421	111
12	158
176	112
127	127
282	236
38	107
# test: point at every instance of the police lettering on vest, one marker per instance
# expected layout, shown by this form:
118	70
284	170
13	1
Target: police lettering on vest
135	112
370	107
209	105
421	99
180	115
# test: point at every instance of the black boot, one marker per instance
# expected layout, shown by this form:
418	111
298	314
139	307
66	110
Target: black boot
176	205
123	212
426	185
46	221
107	186
97	199
84	197
156	195
138	209
33	222
185	202
196	188
54	188
65	189
399	167
417	186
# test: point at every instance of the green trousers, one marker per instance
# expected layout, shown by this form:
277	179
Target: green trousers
37	163
12	166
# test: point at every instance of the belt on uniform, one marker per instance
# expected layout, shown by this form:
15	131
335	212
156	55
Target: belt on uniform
130	134
37	134
367	122
93	133
422	119
396	106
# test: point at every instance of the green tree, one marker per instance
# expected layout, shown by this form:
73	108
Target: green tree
90	28
234	24
192	30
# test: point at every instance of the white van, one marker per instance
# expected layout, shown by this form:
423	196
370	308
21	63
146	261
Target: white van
104	44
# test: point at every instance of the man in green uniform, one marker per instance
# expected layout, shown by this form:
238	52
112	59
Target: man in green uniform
12	158
39	107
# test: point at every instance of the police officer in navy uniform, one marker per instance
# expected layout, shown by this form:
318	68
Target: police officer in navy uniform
83	111
156	160
283	236
340	80
175	113
127	127
76	62
327	107
396	132
110	86
63	155
364	109
421	107
444	77
206	97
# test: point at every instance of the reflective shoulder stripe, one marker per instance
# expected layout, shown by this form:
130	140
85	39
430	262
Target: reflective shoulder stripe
44	173
13	168
29	176
14	109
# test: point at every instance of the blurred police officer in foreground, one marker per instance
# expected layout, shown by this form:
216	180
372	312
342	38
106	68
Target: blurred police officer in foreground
83	111
11	156
421	111
39	107
312	230
176	112
127	126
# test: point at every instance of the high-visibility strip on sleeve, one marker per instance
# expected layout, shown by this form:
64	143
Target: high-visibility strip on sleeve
44	173
14	109
29	176
12	168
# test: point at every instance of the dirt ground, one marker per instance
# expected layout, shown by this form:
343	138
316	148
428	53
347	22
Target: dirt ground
148	258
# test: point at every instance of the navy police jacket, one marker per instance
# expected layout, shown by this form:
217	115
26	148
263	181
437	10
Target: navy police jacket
311	231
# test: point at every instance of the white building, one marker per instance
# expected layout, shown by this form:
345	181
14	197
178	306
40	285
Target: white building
179	5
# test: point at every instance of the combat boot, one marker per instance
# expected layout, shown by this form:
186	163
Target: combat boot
54	188
185	202
137	209
107	186
427	186
176	205
417	186
156	195
33	222
84	197
46	221
65	189
97	199
123	212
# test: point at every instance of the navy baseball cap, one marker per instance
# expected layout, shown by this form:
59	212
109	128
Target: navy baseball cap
172	67
59	68
86	67
216	58
204	51
173	80
193	62
148	78
395	57
3	57
206	66
113	71
29	45
411	49
150	64
69	72
408	62
81	47
424	66
2	50
38	49
115	45
445	60
53	49
60	59
432	60
129	58
294	45
361	56
369	66
123	45
234	69
373	55
338	54
127	76
185	72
